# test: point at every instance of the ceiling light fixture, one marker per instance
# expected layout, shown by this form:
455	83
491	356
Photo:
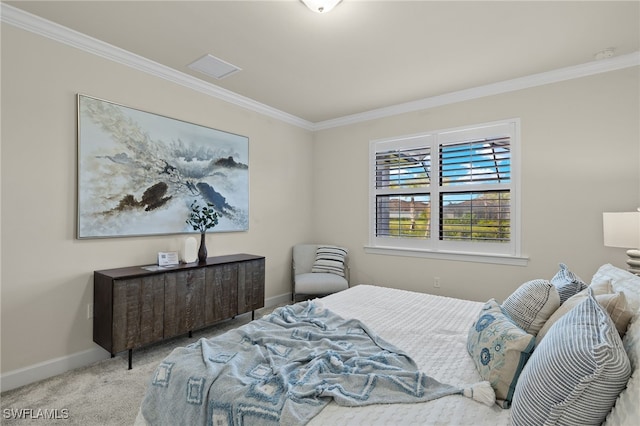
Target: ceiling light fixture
321	6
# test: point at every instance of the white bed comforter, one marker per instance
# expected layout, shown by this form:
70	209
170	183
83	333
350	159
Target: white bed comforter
433	331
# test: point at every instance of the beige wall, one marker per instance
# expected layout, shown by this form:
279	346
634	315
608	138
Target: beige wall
46	272
580	157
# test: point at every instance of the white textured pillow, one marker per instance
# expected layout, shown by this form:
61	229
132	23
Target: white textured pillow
531	305
622	281
330	259
626	410
576	374
567	283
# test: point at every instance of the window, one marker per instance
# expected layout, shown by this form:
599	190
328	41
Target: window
448	192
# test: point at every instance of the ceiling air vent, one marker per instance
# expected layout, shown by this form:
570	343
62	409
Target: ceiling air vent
214	67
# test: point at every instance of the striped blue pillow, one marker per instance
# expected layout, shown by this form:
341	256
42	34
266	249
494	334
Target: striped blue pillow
576	373
330	259
567	283
531	305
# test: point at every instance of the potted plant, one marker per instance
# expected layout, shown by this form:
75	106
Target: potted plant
201	219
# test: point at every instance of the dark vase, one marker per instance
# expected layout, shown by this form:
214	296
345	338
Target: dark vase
202	251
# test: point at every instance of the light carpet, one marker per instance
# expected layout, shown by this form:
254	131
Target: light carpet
103	393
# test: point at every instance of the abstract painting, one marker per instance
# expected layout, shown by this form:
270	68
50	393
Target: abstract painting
138	172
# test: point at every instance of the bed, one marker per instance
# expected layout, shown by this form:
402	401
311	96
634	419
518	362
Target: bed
435	333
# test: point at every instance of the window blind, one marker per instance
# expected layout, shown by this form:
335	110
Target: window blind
403	168
449	191
476	162
405	216
469	214
476	216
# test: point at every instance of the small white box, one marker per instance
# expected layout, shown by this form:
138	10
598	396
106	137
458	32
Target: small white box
167	258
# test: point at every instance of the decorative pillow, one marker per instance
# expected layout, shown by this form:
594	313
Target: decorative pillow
622	281
577	372
330	259
500	349
531	305
618	309
567	283
631	343
614	303
625	411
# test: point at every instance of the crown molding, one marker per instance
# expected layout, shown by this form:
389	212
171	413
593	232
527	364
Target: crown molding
562	74
32	23
37	25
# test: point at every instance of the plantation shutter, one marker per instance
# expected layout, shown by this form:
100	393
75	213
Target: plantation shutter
476	162
450	192
475	193
403	168
402	180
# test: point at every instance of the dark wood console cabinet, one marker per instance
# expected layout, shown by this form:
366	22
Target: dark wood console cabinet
134	306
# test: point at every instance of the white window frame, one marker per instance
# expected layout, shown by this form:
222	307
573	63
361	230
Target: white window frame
502	253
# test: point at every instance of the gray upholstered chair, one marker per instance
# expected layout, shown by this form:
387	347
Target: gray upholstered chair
313	278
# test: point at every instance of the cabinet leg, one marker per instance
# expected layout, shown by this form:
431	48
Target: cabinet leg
253	315
130	358
190	334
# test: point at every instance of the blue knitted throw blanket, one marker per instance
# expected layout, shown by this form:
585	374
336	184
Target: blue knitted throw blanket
284	369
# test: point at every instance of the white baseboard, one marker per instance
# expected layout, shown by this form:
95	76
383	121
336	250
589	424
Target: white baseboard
282	299
53	367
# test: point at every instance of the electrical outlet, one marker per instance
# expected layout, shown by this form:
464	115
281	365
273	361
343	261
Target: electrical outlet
90	311
436	282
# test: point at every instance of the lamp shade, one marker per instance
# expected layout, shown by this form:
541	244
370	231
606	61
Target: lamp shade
321	6
621	229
